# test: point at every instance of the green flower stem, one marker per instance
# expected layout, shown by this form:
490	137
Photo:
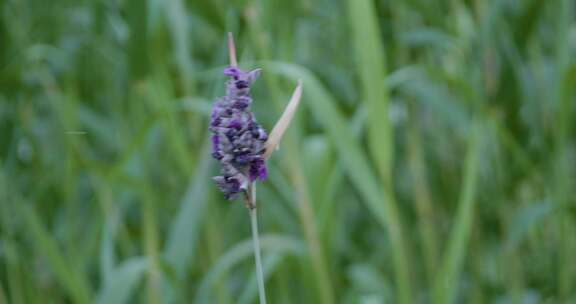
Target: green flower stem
256	241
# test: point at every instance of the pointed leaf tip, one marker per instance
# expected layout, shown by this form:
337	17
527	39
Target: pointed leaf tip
284	121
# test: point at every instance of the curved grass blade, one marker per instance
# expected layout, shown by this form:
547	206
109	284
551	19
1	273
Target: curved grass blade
71	279
123	281
242	251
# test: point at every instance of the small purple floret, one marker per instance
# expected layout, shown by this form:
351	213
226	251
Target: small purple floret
237	139
232	71
235	124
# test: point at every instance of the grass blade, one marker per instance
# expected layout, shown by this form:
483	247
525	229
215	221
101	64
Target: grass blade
371	67
70	279
370	64
184	231
123	280
447	283
379	202
244	250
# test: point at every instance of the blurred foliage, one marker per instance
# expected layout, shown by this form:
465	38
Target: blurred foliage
433	159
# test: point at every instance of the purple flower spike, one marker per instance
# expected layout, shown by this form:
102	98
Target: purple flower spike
237	140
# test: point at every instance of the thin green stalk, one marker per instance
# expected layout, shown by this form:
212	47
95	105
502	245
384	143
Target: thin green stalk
283	283
256	242
515	280
10	261
151	248
447	283
2	295
564	170
423	202
307	217
478	294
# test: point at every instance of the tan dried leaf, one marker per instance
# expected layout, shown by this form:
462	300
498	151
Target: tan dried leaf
284	121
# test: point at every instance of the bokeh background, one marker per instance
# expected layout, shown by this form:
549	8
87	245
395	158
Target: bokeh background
432	159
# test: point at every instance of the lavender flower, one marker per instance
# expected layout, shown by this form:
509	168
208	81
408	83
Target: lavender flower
238	141
242	146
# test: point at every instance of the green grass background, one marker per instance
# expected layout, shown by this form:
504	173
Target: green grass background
432	160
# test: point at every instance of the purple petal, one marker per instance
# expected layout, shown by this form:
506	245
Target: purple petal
236	124
216	121
215	142
232	71
241	84
263	173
